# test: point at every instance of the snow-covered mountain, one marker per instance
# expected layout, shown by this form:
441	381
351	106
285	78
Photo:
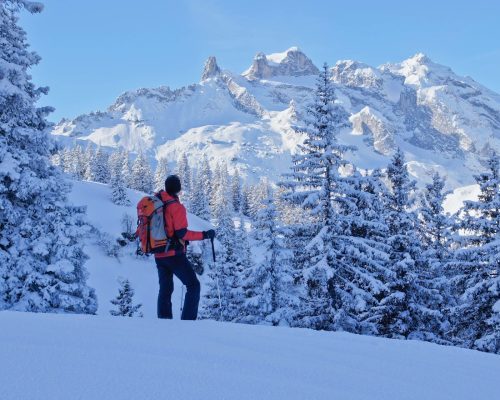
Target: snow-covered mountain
442	121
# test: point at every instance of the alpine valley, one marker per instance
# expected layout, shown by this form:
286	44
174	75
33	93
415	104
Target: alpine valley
443	122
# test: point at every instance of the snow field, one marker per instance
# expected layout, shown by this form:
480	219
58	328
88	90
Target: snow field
55	356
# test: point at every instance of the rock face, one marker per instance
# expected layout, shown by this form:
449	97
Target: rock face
211	69
441	121
292	62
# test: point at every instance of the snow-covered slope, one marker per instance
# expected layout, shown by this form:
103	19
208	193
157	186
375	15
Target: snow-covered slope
442	121
50	356
104	270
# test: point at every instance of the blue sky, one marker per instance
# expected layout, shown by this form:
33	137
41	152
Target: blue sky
93	50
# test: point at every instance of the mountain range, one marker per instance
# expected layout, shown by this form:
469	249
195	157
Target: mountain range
442	121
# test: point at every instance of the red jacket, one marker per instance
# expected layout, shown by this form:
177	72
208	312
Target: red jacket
176	218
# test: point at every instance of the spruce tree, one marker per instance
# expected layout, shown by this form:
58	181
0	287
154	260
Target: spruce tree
340	269
223	299
88	164
435	228
161	174
408	309
100	169
236	191
124	301
183	170
141	177
198	198
475	266
41	251
268	284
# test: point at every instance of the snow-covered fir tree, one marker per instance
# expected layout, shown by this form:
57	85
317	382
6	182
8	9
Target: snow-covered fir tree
100	169
141	177
119	194
198	198
341	270
161	173
204	179
236	190
224	296
245	200
409	308
41	251
88	164
118	163
124	166
436	238
256	197
77	164
183	171
124	301
475	266
268	284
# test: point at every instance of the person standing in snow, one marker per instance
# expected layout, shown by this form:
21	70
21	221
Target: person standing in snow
174	261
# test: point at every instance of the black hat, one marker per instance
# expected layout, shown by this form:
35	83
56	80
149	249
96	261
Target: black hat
173	185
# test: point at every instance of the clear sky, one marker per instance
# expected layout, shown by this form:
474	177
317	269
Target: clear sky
93	50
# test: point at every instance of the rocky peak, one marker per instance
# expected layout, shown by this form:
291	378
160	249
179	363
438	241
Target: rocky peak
356	74
211	69
291	62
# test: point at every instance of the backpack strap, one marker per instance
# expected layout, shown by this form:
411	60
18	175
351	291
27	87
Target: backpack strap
165	206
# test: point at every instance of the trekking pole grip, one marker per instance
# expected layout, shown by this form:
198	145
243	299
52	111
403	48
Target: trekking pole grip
213	248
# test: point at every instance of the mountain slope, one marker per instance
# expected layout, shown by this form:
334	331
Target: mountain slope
89	357
442	121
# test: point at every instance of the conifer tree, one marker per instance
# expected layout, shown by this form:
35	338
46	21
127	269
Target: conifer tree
77	162
124	166
205	189
198	198
245	200
224	296
88	164
236	191
475	266
161	174
318	185
435	228
100	169
184	172
408	309
41	251
119	194
141	177
268	284
124	301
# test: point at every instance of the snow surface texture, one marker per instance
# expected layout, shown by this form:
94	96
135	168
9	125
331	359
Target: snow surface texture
443	122
50	356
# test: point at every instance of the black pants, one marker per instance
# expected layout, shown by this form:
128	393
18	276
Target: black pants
182	269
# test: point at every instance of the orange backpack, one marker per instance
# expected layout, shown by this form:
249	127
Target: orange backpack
151	224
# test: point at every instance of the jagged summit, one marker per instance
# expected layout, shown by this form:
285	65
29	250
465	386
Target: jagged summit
419	58
292	62
211	69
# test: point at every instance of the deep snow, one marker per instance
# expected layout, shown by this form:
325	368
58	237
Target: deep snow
48	356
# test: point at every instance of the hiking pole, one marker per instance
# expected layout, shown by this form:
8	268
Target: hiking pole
182	297
216	279
213	248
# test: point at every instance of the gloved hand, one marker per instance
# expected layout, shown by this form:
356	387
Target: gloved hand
210	234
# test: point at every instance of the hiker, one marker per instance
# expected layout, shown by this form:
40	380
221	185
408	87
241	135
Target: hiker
174	261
